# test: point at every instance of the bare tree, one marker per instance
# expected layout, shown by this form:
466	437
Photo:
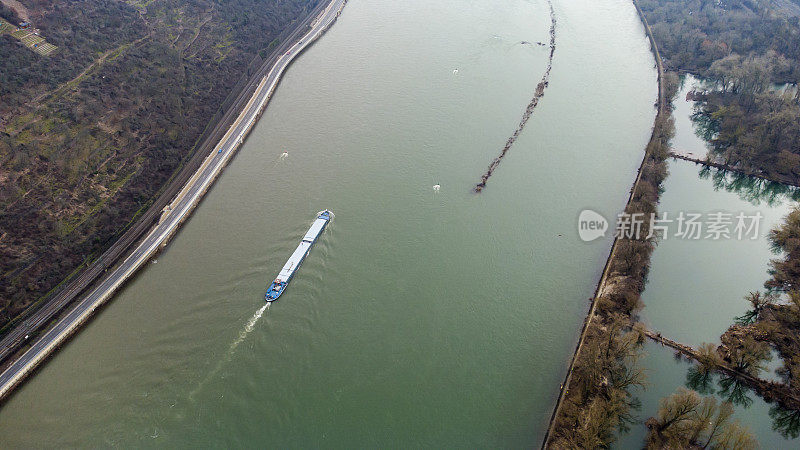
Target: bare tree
687	420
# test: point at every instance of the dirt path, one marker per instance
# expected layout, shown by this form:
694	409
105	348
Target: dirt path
97	63
197	33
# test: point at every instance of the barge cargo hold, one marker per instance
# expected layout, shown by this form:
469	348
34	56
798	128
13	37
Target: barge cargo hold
282	280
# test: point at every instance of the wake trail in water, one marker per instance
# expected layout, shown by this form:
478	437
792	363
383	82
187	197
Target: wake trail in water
248	328
531	106
281	159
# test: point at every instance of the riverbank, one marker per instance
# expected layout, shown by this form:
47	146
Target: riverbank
85	277
580	416
150	92
683	306
383	358
737	117
180	209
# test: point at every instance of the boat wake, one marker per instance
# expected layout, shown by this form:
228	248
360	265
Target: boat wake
281	158
248	328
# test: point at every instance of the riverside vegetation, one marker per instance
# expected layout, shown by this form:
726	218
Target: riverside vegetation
90	134
687	420
597	402
771	323
743	47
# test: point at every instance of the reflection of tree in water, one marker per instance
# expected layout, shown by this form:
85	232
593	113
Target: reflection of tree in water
731	389
735	391
630	417
785	421
750	189
700	380
704	127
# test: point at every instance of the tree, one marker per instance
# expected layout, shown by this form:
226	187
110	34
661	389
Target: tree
749	355
785	239
708	357
700	376
685	419
9	14
674	416
722	70
758	303
599	402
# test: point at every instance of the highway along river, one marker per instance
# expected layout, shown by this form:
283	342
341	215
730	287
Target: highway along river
420	318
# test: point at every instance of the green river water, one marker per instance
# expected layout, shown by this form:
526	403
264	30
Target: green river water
419	319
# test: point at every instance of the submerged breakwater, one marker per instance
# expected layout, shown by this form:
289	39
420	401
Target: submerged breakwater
531	106
414	297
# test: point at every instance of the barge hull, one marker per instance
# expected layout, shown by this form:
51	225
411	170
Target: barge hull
293	263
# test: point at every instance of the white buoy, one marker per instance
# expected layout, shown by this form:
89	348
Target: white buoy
436	188
455	71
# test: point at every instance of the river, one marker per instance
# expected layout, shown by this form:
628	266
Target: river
420	318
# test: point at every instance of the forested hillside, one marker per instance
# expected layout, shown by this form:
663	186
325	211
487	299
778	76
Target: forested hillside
89	134
9	14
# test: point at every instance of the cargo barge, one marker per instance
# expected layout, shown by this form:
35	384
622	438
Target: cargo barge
282	280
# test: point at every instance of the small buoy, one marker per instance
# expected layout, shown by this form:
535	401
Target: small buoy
436	188
455	71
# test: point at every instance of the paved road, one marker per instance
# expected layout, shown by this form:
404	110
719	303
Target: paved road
74	289
180	209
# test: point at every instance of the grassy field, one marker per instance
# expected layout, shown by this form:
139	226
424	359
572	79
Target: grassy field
27	37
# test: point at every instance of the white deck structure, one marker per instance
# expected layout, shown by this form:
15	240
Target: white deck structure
302	250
